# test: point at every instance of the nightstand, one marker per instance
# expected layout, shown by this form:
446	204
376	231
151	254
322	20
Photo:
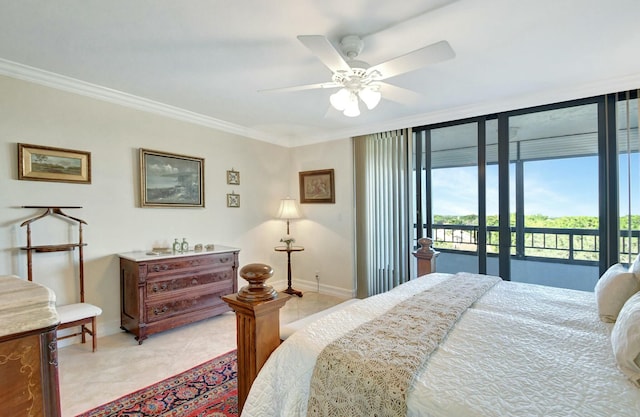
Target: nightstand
290	249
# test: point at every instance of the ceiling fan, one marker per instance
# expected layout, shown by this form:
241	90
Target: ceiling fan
357	80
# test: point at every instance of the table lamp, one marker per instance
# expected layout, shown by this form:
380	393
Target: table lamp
288	210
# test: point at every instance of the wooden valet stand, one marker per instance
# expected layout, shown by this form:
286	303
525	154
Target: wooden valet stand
72	315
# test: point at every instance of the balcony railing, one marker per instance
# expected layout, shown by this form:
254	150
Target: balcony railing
552	244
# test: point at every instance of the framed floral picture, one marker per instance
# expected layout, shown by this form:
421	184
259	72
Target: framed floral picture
233	200
233	177
317	186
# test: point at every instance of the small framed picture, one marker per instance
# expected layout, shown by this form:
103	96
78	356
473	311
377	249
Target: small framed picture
44	163
317	186
233	200
233	177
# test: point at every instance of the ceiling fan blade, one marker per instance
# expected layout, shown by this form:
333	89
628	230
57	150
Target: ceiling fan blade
400	95
437	52
324	50
330	84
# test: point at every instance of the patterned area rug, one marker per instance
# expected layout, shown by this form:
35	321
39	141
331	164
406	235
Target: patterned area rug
209	389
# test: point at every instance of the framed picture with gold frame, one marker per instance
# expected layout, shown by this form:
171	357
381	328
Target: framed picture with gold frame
233	200
46	163
171	180
233	177
317	186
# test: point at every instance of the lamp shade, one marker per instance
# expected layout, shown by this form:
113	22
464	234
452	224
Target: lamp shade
340	99
288	209
371	96
352	109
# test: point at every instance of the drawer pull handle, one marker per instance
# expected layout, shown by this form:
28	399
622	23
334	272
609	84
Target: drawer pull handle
158	311
194	281
223	260
53	346
158	268
155	288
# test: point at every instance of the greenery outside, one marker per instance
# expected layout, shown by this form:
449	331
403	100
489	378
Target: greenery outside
567	237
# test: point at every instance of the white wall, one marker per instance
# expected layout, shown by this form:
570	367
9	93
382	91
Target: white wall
327	230
39	115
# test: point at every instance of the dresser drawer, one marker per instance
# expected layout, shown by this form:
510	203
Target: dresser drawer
169	283
172	266
161	293
173	307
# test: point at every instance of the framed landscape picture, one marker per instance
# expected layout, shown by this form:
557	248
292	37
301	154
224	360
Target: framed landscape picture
44	163
171	180
317	186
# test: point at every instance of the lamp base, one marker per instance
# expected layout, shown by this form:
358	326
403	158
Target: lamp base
291	291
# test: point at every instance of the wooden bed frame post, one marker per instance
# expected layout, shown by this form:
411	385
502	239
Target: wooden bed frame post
426	256
257	308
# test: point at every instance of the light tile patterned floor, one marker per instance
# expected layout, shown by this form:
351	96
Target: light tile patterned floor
121	366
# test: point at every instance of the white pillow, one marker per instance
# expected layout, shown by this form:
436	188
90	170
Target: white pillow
613	289
625	339
635	266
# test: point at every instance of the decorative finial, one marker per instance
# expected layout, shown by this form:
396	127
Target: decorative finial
256	275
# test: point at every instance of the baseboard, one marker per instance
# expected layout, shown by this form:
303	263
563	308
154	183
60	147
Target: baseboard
320	288
113	326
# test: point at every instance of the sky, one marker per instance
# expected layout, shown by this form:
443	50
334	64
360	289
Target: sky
556	188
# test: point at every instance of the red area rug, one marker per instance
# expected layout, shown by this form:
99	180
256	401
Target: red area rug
209	389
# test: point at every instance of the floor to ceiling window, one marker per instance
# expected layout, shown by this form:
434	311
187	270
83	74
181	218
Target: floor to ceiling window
455	203
629	174
532	194
555	152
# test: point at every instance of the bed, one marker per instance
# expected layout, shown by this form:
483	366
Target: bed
517	350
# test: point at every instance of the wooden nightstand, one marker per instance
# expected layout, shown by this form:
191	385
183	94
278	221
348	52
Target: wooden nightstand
290	249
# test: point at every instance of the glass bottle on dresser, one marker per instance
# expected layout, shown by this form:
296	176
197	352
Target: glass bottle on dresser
184	247
176	246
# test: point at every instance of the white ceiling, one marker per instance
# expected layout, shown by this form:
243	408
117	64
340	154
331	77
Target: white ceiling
205	61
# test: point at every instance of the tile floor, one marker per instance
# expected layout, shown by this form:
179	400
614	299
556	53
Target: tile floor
121	366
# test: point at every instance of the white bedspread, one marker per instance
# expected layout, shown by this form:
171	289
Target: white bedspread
521	350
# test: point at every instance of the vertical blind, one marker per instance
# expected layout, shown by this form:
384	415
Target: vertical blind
383	214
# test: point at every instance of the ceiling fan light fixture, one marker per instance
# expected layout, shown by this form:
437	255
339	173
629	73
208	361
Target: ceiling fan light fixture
340	99
370	96
352	109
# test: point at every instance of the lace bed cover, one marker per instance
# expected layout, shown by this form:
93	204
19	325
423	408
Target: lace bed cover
369	370
520	350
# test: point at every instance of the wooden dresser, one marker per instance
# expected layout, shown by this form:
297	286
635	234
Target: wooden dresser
160	292
28	355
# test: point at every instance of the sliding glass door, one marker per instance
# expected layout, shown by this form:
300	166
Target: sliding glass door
629	174
547	195
555	188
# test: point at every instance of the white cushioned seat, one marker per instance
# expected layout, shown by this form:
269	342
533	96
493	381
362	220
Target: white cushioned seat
290	328
72	312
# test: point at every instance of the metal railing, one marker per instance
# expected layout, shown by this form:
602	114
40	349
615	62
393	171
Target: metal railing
553	244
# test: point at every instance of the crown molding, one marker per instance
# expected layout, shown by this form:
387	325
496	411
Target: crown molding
538	98
61	82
